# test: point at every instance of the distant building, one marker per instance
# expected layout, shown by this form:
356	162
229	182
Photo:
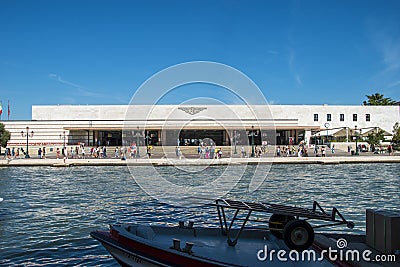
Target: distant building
189	125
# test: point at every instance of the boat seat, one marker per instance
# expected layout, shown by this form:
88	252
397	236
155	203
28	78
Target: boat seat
145	231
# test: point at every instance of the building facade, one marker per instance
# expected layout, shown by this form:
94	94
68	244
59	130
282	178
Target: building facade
171	125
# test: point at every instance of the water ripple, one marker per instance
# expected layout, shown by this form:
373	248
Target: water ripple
48	213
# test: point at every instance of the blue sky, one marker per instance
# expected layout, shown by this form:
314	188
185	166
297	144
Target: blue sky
100	52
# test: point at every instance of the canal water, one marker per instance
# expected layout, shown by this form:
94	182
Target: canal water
48	213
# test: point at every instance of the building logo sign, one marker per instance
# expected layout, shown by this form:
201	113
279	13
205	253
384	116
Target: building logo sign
192	110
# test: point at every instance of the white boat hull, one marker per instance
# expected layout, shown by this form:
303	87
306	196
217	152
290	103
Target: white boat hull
129	258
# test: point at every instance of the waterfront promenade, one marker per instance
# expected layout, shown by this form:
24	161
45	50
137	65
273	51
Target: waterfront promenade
144	161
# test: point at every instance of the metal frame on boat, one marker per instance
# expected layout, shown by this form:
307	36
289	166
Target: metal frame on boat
286	222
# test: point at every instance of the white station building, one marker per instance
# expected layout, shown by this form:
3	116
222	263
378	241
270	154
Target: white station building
114	125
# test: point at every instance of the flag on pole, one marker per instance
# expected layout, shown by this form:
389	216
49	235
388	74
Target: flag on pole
1	108
8	109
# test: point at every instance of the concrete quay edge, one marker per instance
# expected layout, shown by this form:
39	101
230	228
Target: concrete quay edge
195	162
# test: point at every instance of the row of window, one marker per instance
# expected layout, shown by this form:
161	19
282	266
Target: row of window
341	117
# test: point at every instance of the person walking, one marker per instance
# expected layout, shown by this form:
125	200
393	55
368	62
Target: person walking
299	151
323	152
83	152
203	153
149	151
212	152
278	151
390	150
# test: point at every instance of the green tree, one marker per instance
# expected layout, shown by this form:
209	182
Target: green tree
378	100
374	138
4	136
396	136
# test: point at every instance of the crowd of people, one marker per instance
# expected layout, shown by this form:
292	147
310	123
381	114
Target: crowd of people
204	151
291	151
258	151
212	152
101	152
14	153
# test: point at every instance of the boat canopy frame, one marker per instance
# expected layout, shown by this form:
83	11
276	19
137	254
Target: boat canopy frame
316	213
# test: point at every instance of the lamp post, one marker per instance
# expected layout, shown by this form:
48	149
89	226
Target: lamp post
315	139
62	136
137	143
147	138
27	134
252	141
235	136
355	131
315	143
327	126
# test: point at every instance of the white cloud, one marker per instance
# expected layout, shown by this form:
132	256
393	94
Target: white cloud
393	84
298	79
384	38
291	63
59	79
386	41
391	52
80	90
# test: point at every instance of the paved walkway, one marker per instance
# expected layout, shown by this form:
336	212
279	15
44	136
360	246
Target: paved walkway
196	161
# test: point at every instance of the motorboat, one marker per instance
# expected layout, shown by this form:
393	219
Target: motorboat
246	236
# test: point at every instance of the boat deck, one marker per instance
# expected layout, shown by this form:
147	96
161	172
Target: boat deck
209	243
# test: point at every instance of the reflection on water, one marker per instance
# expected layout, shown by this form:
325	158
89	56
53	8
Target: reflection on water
48	213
